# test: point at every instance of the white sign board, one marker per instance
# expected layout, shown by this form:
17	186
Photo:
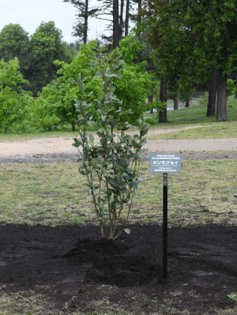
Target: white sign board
165	162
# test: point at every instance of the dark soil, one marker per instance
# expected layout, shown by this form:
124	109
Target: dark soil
77	270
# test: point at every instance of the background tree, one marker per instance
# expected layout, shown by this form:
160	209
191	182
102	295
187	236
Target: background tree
46	46
203	33
14	42
56	104
42	111
12	97
84	13
65	92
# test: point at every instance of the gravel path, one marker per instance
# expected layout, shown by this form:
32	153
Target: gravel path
60	150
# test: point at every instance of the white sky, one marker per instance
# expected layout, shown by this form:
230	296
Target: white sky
31	13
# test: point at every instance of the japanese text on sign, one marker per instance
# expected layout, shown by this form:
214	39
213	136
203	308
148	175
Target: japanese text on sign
165	163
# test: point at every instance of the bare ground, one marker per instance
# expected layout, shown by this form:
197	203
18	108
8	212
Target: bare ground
58	150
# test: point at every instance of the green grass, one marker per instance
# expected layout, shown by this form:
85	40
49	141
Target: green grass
56	195
204	131
36	135
195	114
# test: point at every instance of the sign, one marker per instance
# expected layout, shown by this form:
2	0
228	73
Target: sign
165	162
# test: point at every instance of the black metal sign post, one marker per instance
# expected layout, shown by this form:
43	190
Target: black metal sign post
165	225
165	163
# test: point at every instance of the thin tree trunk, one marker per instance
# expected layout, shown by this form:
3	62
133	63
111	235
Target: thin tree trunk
121	19
212	94
139	2
86	21
221	112
127	18
151	98
115	24
163	97
176	106
188	93
73	126
139	57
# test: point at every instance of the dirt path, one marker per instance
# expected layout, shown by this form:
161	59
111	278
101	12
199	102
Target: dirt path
43	149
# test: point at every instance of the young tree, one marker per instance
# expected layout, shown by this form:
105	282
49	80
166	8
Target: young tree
12	96
110	165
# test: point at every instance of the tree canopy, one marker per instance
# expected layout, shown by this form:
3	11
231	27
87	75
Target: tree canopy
46	47
15	42
12	97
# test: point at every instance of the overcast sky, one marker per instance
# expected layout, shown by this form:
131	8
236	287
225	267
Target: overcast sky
30	13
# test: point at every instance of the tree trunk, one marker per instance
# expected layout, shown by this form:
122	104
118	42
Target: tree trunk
121	20
187	98
188	93
115	24
163	97
127	18
221	113
212	94
139	3
73	126
176	106
151	98
86	22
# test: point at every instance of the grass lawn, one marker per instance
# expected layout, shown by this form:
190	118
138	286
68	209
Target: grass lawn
53	194
195	116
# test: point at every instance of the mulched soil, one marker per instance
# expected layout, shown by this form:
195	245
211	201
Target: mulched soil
77	270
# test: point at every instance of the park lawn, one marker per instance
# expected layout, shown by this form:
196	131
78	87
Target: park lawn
205	131
53	194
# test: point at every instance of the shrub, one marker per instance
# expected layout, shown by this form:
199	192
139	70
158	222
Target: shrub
111	163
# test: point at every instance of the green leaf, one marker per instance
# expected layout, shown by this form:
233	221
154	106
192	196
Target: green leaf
233	296
91	138
128	231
